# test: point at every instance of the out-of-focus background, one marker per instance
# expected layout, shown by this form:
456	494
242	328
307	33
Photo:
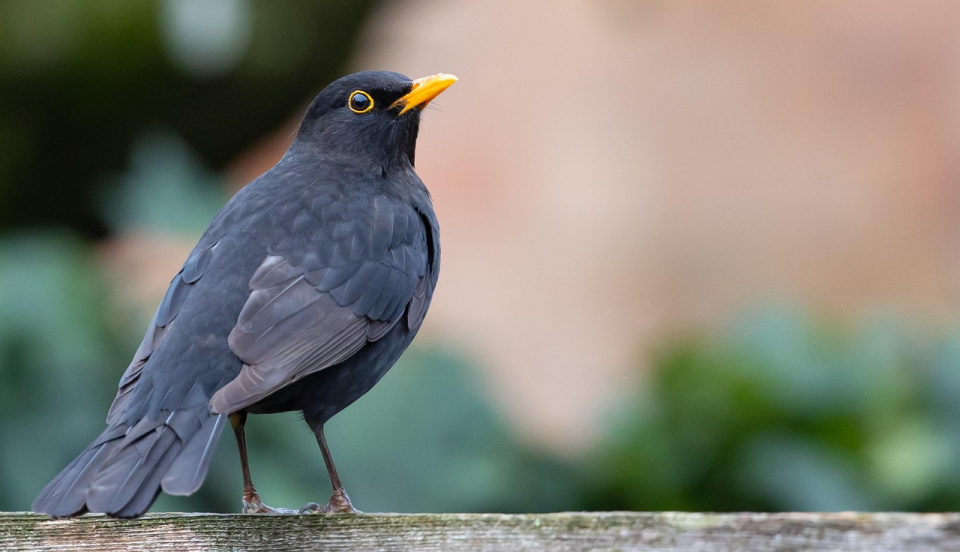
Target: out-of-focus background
697	256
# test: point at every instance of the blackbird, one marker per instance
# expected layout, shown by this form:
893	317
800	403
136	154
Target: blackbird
302	293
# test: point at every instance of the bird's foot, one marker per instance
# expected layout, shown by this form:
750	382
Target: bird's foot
253	505
339	504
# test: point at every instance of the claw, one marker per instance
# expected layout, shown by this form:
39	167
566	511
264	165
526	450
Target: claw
310	508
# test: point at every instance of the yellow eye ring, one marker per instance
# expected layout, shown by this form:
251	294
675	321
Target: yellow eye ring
360	102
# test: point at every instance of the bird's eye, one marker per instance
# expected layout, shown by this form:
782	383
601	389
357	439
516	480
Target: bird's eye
360	102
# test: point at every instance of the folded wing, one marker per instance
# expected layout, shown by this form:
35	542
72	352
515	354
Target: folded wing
311	308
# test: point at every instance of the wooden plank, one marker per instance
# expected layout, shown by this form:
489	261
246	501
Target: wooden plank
663	531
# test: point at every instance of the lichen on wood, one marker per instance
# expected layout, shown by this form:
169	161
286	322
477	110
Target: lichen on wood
574	531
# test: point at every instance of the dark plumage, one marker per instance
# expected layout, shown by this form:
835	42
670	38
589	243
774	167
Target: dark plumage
301	294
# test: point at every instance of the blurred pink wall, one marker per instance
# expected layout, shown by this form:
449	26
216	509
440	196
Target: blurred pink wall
609	171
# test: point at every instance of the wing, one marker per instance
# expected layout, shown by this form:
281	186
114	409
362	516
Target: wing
317	303
180	288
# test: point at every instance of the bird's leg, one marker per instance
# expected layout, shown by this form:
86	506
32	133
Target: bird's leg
251	500
339	501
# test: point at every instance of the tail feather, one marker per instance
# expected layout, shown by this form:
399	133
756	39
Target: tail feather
128	469
66	495
131	484
121	473
188	470
149	489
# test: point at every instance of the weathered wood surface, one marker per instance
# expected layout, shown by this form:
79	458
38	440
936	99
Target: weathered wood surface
567	531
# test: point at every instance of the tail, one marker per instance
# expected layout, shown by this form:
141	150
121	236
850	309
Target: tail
123	470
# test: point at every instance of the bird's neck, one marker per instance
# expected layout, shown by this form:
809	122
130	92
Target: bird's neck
366	159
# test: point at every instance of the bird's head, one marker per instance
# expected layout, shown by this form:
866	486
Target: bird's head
369	118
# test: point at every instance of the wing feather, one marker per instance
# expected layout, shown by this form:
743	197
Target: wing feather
312	307
176	295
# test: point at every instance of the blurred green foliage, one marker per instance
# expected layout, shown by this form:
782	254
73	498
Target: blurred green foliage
787	413
58	359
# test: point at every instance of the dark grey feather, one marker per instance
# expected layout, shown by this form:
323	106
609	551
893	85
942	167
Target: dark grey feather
132	464
173	300
66	494
188	471
314	307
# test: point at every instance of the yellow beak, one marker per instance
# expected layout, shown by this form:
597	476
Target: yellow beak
423	91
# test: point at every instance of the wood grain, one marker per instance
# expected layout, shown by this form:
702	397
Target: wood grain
663	531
